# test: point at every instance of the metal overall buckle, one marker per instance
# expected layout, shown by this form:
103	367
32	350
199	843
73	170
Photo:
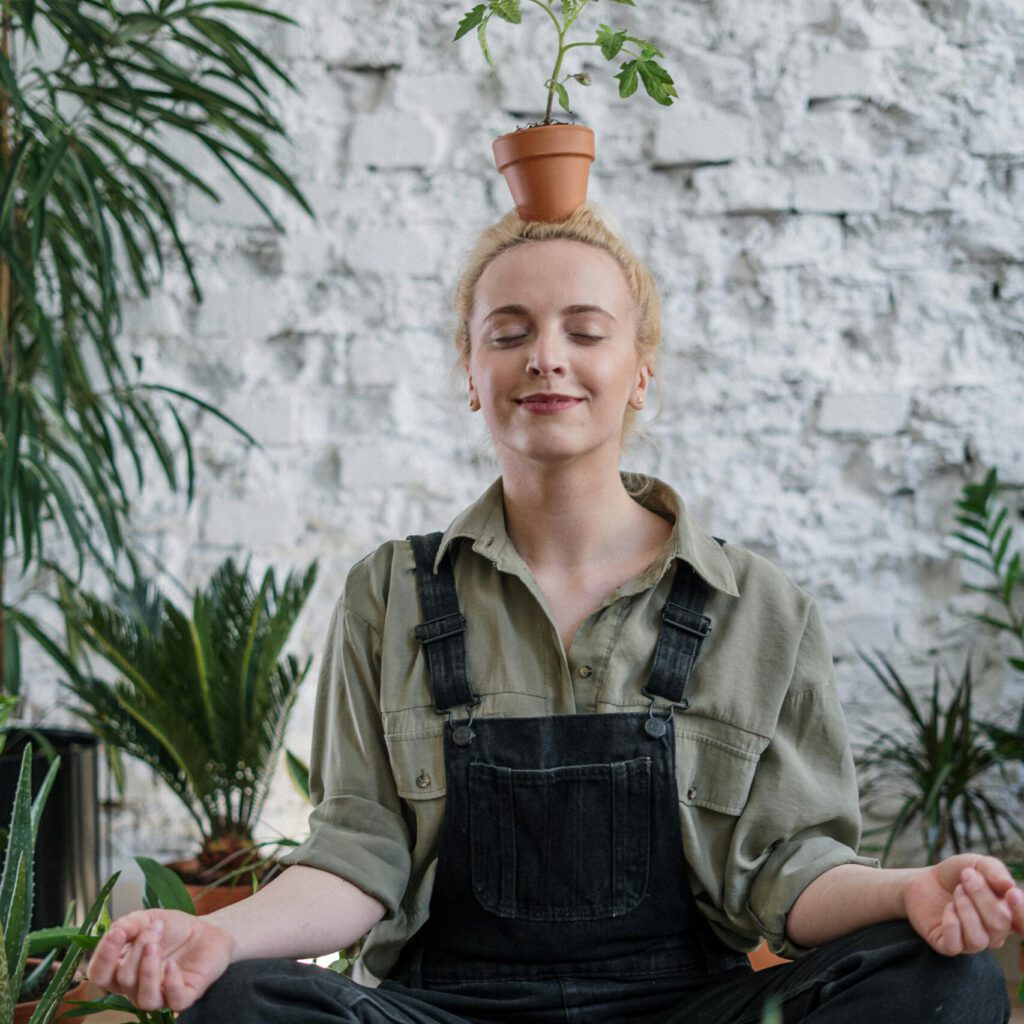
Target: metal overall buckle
659	719
462	732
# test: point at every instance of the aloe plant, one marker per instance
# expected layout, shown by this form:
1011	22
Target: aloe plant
643	67
100	101
17	982
203	698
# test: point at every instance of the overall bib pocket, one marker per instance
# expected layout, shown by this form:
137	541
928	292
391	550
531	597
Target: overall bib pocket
570	843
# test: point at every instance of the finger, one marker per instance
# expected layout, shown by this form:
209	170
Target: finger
180	996
105	957
975	935
127	973
949	940
1015	901
148	995
996	873
994	912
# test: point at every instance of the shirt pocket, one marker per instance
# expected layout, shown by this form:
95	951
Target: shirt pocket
715	763
417	760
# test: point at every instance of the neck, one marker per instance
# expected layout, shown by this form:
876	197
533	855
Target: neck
568	516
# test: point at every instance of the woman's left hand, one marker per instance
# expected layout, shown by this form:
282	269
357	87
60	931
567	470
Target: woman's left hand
965	904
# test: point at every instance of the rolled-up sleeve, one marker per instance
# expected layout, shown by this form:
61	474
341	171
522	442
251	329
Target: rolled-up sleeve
803	814
356	827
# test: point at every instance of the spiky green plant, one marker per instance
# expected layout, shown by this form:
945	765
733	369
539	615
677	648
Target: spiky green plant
203	698
17	983
102	103
937	764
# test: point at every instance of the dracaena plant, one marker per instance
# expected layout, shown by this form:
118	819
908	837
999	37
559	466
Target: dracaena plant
100	101
642	65
203	697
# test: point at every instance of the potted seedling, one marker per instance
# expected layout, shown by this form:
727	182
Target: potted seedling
202	696
547	164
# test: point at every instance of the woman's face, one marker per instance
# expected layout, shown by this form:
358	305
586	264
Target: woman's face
553	358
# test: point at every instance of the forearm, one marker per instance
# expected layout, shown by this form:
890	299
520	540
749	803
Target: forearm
846	898
304	912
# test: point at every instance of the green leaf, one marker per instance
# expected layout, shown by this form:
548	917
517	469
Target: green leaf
628	79
164	889
563	96
657	82
507	10
610	41
470	20
298	772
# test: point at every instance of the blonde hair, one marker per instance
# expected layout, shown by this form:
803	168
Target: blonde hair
587	224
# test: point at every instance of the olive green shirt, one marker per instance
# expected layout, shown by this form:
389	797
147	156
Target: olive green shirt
767	791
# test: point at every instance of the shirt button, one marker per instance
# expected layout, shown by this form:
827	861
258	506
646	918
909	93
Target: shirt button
585	671
691	793
423	780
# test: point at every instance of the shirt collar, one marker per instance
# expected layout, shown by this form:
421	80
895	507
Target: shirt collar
483	522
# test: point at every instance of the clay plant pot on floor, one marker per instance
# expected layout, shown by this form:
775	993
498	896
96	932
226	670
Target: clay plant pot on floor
546	168
80	991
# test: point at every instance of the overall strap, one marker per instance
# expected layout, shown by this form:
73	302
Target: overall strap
684	627
442	633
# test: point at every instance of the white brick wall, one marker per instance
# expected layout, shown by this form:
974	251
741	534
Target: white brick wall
834	208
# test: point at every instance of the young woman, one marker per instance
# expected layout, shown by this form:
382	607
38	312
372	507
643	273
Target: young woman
576	755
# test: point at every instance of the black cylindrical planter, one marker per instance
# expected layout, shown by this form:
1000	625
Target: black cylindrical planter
67	847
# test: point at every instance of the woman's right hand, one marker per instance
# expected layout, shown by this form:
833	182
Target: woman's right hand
159	958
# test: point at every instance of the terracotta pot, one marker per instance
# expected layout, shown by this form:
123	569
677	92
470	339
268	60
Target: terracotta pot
546	167
209	900
763	957
80	991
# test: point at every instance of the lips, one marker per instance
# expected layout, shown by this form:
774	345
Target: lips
548	402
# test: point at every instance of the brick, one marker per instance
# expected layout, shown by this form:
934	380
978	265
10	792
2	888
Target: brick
863	414
393	140
741	189
838	192
705	135
844	74
387	249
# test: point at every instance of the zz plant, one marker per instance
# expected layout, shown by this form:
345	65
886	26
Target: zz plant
641	67
102	104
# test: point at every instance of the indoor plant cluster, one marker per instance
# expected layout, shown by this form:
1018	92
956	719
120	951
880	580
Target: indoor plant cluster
98	101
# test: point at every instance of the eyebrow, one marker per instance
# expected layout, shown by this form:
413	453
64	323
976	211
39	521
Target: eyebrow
578	308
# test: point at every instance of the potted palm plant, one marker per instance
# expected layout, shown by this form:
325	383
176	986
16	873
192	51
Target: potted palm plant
99	100
202	698
547	165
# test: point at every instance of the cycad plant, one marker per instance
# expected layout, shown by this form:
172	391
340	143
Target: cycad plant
937	766
104	107
203	698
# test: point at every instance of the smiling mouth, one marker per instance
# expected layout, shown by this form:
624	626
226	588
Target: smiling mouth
548	403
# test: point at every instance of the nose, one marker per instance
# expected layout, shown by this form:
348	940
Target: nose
546	356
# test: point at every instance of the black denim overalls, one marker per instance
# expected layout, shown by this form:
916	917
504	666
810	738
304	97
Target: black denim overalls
561	894
560	852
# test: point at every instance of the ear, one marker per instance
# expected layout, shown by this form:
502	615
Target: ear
474	398
640	386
